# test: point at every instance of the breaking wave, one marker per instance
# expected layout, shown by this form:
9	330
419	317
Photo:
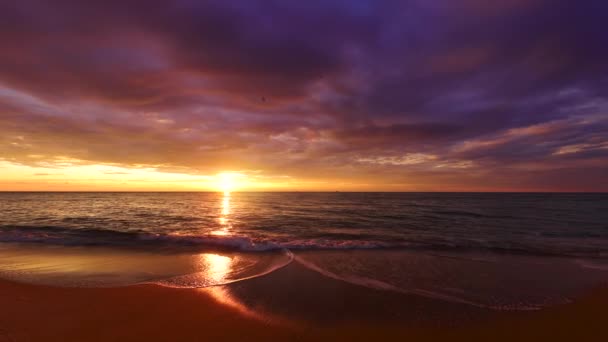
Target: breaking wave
139	239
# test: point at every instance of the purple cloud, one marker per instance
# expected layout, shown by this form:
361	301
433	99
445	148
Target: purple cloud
466	93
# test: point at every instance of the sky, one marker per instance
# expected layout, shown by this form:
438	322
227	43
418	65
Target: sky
332	95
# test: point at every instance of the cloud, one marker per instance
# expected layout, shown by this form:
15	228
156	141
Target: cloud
330	89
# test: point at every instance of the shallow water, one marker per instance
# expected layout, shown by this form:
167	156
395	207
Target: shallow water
488	280
106	267
502	251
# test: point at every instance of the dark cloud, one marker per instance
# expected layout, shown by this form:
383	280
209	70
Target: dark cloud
361	89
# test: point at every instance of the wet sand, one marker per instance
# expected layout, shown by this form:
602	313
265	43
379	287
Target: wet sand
290	304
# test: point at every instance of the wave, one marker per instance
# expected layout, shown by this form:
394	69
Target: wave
53	235
458	213
138	239
590	264
195	280
470	214
377	284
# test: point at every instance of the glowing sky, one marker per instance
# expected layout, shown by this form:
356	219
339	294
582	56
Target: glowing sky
304	95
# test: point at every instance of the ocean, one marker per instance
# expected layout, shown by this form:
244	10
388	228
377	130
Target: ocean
506	251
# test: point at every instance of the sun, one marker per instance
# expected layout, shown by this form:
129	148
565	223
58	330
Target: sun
227	181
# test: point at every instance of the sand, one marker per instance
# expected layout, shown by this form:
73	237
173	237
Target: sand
290	304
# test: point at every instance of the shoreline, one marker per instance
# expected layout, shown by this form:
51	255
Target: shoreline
292	303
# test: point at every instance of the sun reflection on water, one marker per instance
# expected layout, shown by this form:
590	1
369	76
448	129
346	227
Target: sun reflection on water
226	204
224	218
216	267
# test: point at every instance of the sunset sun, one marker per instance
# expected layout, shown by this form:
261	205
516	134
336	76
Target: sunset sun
227	181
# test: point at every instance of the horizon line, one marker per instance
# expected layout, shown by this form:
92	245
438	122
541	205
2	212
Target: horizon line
300	191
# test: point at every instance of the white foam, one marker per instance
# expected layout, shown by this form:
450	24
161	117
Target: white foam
198	280
380	285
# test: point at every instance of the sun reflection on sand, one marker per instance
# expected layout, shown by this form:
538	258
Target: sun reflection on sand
224	296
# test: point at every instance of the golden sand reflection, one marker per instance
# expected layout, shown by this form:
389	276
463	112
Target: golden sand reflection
223	296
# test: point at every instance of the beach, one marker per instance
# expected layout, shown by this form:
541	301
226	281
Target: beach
303	267
292	303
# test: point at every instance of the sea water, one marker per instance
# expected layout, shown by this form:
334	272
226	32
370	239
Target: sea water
497	250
